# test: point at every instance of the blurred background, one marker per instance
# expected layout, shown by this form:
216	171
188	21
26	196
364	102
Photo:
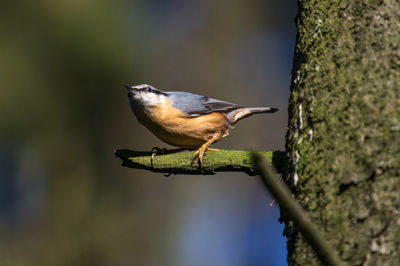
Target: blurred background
65	199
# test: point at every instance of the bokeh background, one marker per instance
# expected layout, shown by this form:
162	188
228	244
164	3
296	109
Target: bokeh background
65	199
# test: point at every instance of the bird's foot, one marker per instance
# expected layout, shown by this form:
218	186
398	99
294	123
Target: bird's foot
200	154
156	151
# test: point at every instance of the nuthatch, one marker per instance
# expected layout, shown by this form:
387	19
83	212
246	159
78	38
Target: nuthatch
184	119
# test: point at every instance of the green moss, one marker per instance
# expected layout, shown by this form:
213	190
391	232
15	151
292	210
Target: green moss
346	85
214	161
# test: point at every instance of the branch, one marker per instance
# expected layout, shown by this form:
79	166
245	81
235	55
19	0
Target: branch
179	162
292	209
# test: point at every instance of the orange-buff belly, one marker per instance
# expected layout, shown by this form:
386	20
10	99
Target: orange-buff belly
172	126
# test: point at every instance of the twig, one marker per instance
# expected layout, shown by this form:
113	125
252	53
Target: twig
292	209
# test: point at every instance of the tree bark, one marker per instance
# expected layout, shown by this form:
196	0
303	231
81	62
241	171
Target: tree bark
343	140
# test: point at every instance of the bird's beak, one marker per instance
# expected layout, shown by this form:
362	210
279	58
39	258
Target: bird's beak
130	88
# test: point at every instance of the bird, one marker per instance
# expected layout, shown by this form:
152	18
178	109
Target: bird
186	120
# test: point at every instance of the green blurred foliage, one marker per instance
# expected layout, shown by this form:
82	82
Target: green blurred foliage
61	71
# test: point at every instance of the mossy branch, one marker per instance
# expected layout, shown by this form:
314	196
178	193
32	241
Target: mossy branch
179	162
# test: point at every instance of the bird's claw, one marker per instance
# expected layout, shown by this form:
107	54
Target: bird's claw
155	151
199	154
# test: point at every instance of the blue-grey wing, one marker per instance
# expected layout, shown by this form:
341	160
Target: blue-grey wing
196	105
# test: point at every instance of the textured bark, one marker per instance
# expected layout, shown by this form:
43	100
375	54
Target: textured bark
343	141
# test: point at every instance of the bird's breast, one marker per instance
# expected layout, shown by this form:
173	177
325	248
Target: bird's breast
174	127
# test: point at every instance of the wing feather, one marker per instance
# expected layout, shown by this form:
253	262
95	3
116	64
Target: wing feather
195	105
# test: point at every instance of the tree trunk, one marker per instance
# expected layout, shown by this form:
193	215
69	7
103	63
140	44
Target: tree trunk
343	140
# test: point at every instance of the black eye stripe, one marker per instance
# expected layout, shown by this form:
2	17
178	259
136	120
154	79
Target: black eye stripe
149	89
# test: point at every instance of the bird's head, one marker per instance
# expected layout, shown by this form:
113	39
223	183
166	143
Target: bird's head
145	95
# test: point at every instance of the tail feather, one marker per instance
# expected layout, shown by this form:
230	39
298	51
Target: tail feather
241	113
262	109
